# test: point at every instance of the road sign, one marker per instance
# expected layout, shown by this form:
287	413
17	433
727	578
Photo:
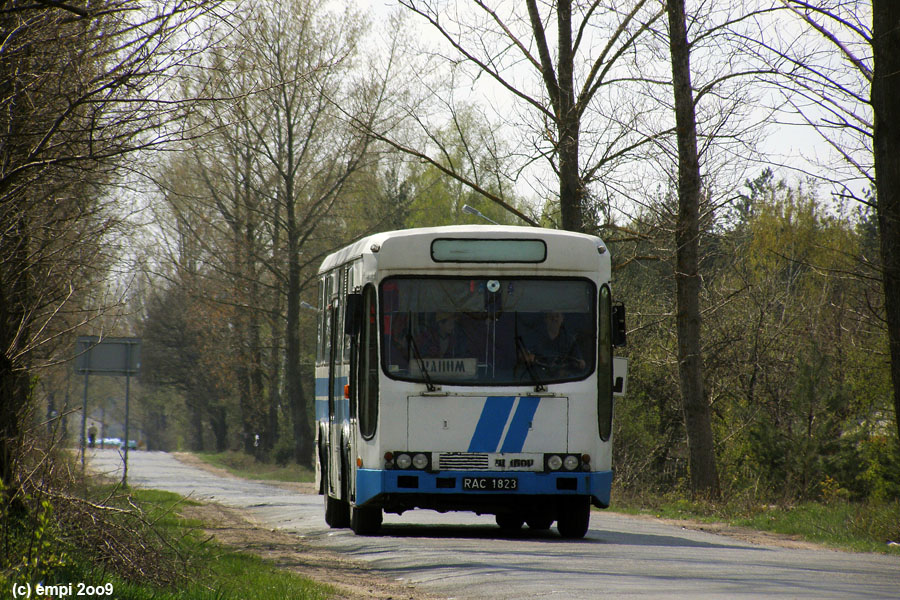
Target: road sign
107	356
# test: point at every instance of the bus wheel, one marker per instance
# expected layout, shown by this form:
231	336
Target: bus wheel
337	512
510	522
365	520
539	522
574	517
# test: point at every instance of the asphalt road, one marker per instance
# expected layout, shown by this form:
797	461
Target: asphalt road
463	556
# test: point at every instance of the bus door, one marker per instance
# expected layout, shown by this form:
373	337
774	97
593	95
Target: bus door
334	425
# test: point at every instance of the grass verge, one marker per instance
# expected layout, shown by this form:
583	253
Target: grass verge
860	527
247	467
196	567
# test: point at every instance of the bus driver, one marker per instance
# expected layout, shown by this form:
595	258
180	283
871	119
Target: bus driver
551	346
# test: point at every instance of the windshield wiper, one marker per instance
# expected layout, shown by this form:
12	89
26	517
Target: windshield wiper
538	386
428	383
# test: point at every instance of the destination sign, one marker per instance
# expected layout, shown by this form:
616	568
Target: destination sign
452	368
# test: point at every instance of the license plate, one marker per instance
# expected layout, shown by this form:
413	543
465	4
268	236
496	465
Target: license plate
490	484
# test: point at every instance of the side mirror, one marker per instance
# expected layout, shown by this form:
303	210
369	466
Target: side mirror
618	325
620	376
353	314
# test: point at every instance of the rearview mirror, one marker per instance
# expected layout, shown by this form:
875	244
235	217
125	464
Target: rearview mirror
353	314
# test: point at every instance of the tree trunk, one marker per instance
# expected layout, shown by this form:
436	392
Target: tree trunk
12	400
303	446
199	418
245	393
218	422
260	404
704	476
885	94
570	188
14	292
274	390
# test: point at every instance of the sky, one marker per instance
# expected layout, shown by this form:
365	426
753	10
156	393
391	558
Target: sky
795	151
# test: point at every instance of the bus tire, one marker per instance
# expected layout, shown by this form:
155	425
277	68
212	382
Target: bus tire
365	520
574	517
337	512
510	522
322	474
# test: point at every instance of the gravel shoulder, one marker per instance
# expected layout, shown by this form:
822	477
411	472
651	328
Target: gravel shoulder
744	534
352	580
232	528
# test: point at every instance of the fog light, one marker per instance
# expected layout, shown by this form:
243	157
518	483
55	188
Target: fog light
403	461
571	462
420	461
554	462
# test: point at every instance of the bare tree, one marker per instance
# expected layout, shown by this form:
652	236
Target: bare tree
841	75
704	477
554	78
82	85
886	143
278	159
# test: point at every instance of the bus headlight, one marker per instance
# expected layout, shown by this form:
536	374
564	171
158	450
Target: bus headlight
420	461
403	461
554	462
571	462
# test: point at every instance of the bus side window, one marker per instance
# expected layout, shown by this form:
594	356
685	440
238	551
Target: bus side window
326	334
368	364
346	277
604	364
320	323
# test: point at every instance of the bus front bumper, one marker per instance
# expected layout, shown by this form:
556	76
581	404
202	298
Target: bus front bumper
373	484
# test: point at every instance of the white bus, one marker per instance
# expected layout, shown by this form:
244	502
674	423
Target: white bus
467	368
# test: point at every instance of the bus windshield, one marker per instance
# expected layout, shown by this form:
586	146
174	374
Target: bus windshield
485	331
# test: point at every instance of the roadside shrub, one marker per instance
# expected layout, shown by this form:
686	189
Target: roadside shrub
55	526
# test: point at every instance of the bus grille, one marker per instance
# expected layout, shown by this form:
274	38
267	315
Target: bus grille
462	460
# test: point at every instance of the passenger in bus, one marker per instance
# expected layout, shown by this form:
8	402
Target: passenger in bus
396	328
445	339
551	346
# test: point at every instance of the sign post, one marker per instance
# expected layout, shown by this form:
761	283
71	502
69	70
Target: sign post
107	356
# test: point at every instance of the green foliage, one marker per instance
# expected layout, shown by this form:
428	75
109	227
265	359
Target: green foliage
795	355
466	146
29	534
648	427
862	527
859	526
244	465
45	549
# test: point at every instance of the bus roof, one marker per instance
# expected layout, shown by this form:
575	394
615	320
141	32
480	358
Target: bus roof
412	248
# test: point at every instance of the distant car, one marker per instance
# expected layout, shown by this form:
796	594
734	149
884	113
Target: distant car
132	445
112	442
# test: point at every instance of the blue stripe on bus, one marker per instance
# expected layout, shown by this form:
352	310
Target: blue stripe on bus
491	423
371	484
521	424
341	406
